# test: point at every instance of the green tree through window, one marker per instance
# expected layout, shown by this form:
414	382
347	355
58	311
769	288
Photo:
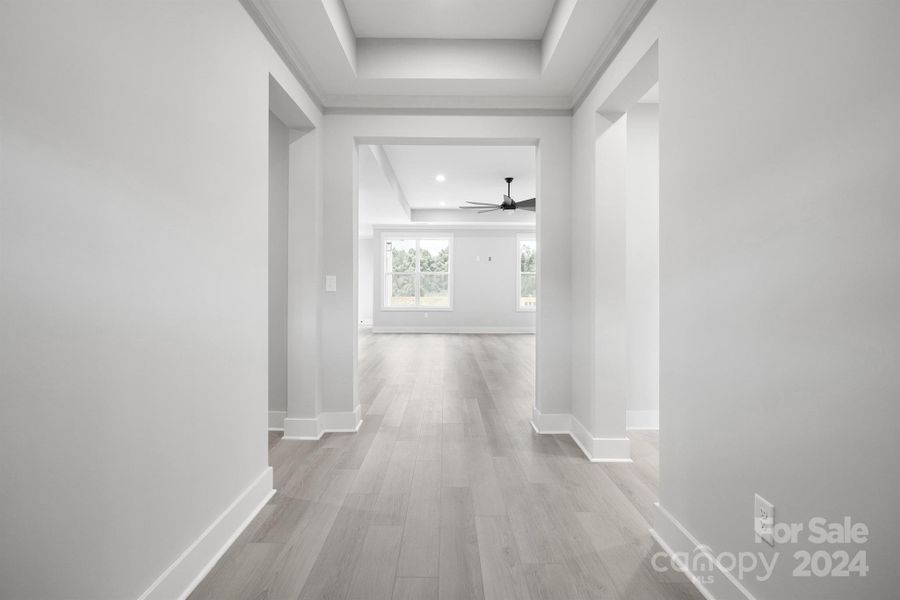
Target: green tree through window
417	273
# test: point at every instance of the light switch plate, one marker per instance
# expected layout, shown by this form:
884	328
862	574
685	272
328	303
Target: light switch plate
763	519
330	283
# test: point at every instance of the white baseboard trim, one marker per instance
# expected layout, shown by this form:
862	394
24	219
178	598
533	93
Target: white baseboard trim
302	429
642	419
449	329
189	569
276	420
600	449
678	543
594	448
328	422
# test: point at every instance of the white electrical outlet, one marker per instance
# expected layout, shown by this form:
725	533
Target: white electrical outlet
330	283
763	520
426	315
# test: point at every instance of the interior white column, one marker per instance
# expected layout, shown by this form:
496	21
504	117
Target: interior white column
339	243
304	277
610	347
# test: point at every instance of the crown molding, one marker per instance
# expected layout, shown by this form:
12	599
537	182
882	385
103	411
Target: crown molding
447	105
446	102
276	37
621	33
455	112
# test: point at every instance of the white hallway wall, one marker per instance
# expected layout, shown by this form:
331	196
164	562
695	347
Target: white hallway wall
133	289
340	222
279	176
642	264
778	273
484	291
305	285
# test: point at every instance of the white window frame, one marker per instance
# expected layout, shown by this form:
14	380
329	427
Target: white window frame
418	237
524	237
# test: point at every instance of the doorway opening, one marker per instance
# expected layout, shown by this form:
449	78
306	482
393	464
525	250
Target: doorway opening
279	177
291	192
448	297
627	197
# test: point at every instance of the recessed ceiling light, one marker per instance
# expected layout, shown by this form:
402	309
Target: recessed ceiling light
440	178
443	203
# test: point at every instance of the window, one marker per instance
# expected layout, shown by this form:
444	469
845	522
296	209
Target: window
417	272
526	285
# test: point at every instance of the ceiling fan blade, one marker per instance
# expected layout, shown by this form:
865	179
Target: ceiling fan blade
481	203
527	204
482	206
489	210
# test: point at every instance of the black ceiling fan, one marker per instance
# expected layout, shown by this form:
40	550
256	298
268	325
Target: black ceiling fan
507	204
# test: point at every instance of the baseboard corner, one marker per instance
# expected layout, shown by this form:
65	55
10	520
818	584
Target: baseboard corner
327	422
596	449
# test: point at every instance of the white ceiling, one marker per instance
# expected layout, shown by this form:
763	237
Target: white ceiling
472	173
450	19
448	54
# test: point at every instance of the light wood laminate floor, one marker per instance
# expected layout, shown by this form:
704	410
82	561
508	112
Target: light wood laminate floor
447	492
